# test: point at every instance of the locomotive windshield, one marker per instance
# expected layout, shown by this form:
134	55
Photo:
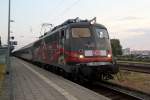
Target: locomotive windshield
80	32
102	33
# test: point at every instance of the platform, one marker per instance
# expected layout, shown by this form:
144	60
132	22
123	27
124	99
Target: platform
33	83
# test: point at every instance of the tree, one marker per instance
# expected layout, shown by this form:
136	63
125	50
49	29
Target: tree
0	41
116	47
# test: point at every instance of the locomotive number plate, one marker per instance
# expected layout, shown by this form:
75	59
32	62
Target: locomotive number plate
99	52
95	53
103	52
88	53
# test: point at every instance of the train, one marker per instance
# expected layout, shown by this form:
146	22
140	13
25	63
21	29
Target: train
78	48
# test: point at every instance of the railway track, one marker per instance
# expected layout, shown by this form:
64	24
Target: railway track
137	67
112	91
117	92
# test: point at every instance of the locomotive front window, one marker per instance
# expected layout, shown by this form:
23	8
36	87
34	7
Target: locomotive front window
80	32
102	33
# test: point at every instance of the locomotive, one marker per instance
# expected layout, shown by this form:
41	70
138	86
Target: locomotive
79	48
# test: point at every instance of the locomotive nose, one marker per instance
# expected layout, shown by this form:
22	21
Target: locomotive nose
89	45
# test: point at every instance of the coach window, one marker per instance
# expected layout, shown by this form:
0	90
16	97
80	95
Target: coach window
67	34
38	43
62	34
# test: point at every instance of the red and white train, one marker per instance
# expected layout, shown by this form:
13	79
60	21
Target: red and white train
77	47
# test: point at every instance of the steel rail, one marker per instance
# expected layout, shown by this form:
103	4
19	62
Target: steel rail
137	67
125	90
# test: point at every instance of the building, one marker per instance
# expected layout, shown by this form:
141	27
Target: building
126	51
141	52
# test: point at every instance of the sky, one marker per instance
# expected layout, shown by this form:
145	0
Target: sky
126	20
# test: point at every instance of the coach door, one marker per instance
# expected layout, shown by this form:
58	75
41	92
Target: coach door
61	59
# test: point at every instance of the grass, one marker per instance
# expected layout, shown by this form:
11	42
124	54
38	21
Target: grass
139	81
140	62
2	72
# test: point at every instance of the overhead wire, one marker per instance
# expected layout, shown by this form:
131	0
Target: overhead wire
65	10
57	6
54	9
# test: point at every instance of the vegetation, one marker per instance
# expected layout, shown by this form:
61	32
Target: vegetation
133	58
116	47
135	80
2	71
0	42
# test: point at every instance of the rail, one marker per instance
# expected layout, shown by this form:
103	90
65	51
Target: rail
134	66
129	92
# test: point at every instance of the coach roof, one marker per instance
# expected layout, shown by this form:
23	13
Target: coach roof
86	24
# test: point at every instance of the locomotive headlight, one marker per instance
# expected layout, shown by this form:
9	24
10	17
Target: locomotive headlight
109	55
81	56
92	22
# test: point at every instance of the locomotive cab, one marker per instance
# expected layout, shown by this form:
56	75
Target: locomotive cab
90	48
88	43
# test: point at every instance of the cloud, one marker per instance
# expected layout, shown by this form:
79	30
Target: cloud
138	38
137	42
129	18
132	33
143	30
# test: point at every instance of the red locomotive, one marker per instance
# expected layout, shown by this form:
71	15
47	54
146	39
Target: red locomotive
77	47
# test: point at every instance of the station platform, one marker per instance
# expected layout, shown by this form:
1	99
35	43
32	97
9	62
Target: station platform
33	83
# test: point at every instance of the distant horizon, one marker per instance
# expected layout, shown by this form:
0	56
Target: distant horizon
131	49
126	20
